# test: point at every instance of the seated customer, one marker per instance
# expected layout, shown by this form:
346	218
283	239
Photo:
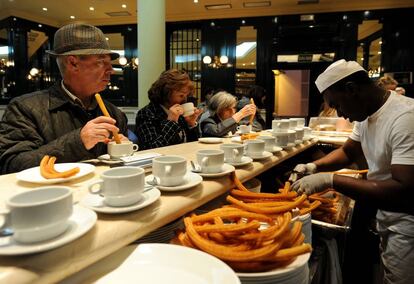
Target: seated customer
223	117
64	120
161	123
258	95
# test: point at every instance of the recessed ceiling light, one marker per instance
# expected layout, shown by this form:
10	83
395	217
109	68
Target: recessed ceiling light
123	6
44	9
218	7
72	17
107	38
256	4
91	8
39	25
195	1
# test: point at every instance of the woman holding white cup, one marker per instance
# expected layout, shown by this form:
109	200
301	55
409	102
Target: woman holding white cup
223	116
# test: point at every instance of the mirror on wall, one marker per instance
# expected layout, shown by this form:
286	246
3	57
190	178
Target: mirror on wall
245	59
369	48
7	84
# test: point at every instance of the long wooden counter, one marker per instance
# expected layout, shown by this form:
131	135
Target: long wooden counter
112	232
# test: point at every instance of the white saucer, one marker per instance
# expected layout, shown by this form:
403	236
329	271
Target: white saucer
276	149
244	161
210	140
227	169
236	139
105	158
81	221
191	180
289	146
298	142
265	155
96	202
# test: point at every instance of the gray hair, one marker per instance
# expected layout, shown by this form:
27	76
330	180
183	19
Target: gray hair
220	101
61	63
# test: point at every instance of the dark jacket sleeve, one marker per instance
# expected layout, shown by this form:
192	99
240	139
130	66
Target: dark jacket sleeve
22	145
210	128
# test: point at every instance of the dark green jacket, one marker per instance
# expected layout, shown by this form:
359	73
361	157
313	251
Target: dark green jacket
47	122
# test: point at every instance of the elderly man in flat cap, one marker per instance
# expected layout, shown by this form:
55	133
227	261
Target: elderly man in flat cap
64	120
384	135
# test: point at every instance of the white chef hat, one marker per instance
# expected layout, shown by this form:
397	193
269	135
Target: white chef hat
335	72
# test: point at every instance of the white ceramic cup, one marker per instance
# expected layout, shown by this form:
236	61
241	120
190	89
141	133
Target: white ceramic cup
300	133
280	125
210	161
255	148
292	136
233	153
120	186
124	149
39	214
307	133
270	142
282	138
244	129
169	169
188	109
300	121
293	123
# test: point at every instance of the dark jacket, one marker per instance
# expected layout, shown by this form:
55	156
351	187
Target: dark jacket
214	127
48	122
258	122
154	129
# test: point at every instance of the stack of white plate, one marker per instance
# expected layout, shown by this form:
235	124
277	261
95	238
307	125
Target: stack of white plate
295	273
307	227
163	234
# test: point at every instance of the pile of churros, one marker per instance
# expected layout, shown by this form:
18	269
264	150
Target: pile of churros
249	136
48	171
253	233
328	210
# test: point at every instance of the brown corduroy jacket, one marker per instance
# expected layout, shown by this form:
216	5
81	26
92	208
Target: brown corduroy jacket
47	122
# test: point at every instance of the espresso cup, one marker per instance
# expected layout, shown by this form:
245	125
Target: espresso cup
125	148
244	129
233	153
300	133
122	186
255	148
188	109
210	161
270	142
300	121
282	138
170	170
307	133
280	125
40	214
293	123
292	136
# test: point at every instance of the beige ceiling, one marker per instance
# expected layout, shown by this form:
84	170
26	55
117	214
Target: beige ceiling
59	11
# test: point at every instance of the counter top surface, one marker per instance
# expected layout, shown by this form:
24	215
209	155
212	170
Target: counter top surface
112	232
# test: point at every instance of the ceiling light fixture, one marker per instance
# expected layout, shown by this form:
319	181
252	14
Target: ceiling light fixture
195	1
256	4
44	9
91	8
72	17
218	7
216	62
123	6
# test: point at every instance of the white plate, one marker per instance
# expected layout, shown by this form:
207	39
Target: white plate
81	221
289	146
227	169
276	149
165	263
191	180
265	155
108	160
244	161
33	174
210	140
96	202
300	261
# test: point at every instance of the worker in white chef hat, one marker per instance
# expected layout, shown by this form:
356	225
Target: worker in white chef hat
384	135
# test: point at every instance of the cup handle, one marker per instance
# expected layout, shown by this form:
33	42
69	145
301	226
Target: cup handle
98	182
168	169
4	219
204	163
235	154
238	127
135	147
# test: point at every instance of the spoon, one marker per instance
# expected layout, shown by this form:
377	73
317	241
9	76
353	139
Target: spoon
196	169
153	182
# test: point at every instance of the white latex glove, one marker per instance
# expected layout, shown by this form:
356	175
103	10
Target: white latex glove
302	169
313	183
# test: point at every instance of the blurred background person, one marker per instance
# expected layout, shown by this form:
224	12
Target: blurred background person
223	116
161	123
387	83
400	91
